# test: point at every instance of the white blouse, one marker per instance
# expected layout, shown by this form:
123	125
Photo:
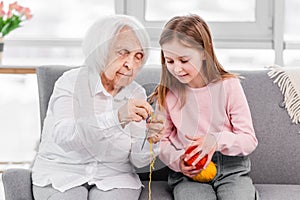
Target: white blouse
82	139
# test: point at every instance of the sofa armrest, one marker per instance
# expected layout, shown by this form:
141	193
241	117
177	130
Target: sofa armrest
17	184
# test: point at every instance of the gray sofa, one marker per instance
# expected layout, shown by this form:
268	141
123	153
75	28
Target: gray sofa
275	163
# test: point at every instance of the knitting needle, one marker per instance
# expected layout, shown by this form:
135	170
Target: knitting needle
147	130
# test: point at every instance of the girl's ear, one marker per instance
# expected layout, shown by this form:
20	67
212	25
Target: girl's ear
203	55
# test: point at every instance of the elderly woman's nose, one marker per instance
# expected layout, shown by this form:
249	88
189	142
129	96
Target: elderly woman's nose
128	65
130	61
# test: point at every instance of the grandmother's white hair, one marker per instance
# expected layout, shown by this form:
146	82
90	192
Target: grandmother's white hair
98	38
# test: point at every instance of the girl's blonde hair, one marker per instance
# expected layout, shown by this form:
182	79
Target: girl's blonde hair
191	31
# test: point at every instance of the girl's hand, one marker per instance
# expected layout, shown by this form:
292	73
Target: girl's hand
206	145
134	110
189	171
156	128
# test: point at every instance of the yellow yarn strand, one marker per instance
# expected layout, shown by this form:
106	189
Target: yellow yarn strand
151	168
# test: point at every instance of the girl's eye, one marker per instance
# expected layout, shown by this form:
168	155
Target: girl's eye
170	61
184	61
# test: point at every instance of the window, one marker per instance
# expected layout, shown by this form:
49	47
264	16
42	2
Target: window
237	26
220	10
19	116
56	38
291	33
292	22
252	29
54	34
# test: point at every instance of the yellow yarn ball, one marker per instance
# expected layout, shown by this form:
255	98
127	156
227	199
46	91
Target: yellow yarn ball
206	175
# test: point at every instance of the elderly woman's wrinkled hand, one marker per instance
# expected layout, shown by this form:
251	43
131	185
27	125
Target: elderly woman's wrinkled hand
135	110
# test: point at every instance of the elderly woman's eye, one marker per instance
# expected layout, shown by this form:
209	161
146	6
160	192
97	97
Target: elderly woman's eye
123	52
139	56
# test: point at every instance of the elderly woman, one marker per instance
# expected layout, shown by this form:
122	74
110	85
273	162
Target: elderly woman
94	131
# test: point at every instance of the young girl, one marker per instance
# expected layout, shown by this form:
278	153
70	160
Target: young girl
205	106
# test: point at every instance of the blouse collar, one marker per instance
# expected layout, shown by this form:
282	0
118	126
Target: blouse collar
97	87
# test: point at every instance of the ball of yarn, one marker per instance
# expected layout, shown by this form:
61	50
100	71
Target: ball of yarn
207	174
190	161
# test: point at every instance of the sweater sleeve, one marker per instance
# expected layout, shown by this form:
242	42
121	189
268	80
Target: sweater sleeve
241	140
169	152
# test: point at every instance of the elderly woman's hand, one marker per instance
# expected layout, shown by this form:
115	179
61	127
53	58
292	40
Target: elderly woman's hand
156	128
134	110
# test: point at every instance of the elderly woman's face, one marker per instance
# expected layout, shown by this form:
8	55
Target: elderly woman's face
125	58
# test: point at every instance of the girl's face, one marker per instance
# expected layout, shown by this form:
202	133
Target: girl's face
125	58
184	63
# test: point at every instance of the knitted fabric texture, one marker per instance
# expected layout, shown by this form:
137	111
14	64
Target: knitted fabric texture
288	80
207	174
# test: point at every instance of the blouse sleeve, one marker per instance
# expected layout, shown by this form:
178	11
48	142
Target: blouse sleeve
140	155
74	133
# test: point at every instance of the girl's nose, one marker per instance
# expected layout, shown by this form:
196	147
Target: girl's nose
177	68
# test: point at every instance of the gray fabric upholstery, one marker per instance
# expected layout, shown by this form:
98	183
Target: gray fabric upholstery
275	162
277	157
278	191
17	184
46	77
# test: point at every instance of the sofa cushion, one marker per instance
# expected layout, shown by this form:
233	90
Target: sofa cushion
46	77
276	159
148	78
278	191
17	184
160	190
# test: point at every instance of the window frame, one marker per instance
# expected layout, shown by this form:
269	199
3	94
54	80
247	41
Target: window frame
266	32
258	34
